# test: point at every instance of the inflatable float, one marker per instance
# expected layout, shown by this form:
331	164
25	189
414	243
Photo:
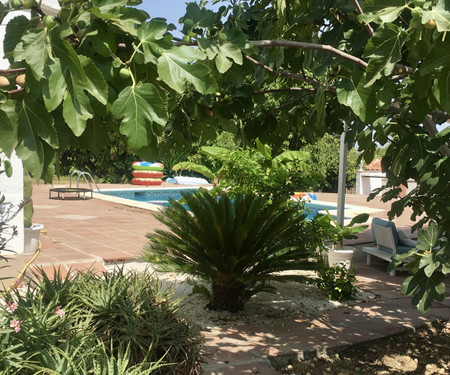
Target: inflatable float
298	195
146	181
146	173
147	166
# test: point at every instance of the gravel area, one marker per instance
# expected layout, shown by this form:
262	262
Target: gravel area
292	300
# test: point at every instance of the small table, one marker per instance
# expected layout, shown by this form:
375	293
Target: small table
80	192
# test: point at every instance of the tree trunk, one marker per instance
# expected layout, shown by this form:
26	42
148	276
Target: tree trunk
228	297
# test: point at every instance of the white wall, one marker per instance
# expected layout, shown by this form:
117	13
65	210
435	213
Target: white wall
366	182
12	189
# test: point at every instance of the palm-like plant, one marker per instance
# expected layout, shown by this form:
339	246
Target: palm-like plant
236	245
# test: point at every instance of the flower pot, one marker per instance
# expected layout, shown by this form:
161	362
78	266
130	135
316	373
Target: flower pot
31	238
343	257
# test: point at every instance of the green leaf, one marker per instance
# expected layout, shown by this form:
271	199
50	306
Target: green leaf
354	93
96	134
54	87
386	10
425	289
200	16
265	150
187	165
8	139
359	219
384	50
99	40
13	33
438	58
181	65
108	6
430	263
441	89
76	107
214	152
129	20
440	14
96	84
139	107
69	58
34	119
7	168
281	10
31	152
153	40
36	50
428	238
227	53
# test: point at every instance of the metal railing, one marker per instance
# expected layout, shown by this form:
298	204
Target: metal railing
83	174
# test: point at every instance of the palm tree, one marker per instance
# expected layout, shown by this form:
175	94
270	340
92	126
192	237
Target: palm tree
237	245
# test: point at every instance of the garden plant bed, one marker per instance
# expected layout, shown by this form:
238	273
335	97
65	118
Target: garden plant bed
425	351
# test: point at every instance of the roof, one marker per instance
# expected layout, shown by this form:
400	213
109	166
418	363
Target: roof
375	165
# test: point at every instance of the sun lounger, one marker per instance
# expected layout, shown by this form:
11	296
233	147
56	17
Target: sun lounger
389	241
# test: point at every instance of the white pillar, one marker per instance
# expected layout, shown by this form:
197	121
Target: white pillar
342	177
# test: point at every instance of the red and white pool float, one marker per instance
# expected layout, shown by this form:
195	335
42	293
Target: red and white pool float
146	174
146	181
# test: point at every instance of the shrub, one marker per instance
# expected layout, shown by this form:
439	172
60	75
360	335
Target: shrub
237	245
110	163
90	324
337	282
246	171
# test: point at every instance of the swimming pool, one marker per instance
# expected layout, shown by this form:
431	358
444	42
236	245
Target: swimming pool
154	198
159	197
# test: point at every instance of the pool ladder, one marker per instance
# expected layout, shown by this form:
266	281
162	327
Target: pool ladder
83	174
80	192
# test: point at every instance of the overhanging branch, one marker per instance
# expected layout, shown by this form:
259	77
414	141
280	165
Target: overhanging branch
310	46
289	89
430	126
297	77
360	11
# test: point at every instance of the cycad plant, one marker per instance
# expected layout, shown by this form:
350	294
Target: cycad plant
237	245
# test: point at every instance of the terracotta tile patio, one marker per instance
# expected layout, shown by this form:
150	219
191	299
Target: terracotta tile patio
86	233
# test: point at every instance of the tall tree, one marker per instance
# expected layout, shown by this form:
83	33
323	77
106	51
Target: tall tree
258	68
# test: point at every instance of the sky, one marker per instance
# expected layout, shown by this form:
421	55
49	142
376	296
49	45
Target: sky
172	10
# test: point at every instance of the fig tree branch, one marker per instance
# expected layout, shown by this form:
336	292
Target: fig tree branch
311	46
360	11
297	77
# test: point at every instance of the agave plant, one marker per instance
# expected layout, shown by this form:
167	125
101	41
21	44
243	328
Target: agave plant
237	245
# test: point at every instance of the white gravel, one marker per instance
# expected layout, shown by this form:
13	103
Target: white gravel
291	301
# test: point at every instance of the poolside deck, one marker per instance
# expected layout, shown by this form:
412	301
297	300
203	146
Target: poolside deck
86	233
82	233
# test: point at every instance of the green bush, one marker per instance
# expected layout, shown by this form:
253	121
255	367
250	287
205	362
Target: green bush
110	164
337	282
247	171
236	245
118	323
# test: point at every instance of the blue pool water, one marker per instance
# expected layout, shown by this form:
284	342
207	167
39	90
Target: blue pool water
161	197
153	196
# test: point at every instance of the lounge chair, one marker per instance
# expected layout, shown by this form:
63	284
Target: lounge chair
389	241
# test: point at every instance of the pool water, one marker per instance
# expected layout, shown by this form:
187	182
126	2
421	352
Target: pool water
161	197
154	196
